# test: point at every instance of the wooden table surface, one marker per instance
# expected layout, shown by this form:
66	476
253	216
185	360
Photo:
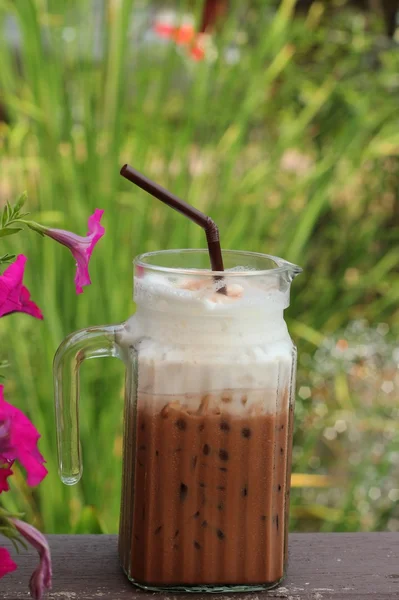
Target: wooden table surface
352	566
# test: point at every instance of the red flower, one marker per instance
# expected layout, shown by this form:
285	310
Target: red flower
7	565
197	50
14	297
18	441
184	35
181	35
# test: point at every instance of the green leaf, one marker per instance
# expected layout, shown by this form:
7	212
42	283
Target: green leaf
5	216
18	540
13	213
12	231
20	202
6	258
3	365
10	211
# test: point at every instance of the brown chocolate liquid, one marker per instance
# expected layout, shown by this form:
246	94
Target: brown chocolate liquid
210	497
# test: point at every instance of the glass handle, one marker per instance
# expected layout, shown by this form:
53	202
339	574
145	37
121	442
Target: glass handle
94	342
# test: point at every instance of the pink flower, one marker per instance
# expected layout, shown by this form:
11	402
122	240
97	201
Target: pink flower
40	580
4	436
19	442
81	247
5	465
7	565
5	472
14	297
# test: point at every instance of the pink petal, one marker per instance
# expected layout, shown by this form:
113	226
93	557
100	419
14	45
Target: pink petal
33	466
5	472
22	443
10	286
81	247
96	230
29	307
37	585
83	255
14	297
82	276
7	565
4	436
40	580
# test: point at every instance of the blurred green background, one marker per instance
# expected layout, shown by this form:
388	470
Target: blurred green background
287	133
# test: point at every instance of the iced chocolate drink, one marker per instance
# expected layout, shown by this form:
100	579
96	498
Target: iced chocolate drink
208	434
210	495
208	413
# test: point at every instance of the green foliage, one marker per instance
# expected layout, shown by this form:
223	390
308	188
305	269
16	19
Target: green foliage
8	530
287	136
10	215
3	365
6	258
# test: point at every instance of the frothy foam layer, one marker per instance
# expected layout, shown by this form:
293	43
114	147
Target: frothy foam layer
199	295
175	370
192	341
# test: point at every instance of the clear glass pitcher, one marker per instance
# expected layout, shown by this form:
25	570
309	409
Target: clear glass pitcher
208	420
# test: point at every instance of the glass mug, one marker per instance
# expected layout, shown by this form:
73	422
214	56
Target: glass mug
208	420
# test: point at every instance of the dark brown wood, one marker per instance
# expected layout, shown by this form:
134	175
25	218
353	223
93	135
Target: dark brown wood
332	566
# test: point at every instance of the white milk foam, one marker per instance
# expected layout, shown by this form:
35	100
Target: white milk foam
194	342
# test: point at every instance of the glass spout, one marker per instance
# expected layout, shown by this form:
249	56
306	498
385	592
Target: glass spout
290	270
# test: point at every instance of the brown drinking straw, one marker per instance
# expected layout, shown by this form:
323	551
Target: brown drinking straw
210	227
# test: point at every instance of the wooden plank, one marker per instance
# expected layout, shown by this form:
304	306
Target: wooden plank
332	566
